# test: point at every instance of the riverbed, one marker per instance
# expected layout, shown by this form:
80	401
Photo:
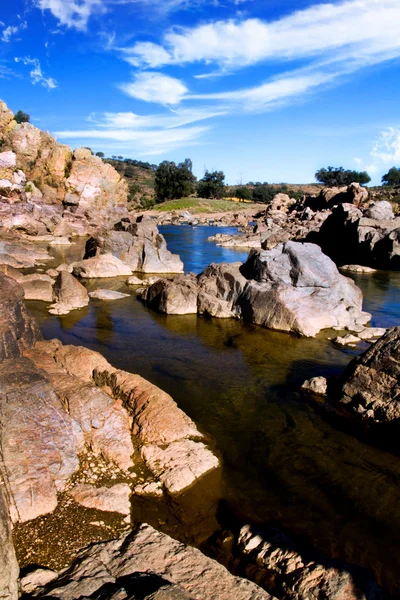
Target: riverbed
285	463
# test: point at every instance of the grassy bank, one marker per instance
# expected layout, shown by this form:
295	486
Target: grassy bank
201	205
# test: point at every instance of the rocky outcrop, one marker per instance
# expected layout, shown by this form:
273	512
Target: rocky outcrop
68	294
139	246
369	386
294	288
367	238
150	565
8	562
18	330
273	560
333	196
46	189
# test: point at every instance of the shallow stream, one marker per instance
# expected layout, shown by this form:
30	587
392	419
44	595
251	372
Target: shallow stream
284	462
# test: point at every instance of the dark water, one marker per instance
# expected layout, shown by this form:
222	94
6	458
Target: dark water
284	463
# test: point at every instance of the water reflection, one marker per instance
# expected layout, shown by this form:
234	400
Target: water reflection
283	463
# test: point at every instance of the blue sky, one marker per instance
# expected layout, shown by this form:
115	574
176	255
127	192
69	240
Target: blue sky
266	90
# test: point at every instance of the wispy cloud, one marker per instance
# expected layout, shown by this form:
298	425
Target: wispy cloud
361	27
76	13
36	73
12	30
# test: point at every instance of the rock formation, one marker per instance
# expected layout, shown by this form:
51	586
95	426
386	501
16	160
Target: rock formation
293	287
149	565
138	245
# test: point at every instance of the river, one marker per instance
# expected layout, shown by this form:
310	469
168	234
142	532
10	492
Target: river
285	463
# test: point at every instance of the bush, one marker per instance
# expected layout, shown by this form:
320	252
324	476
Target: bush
22	117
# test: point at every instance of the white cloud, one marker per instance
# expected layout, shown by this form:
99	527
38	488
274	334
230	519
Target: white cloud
10	31
36	73
386	148
170	120
72	13
362	27
155	87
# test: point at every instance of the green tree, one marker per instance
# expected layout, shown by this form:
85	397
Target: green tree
174	181
100	154
22	117
338	176
392	177
244	193
212	185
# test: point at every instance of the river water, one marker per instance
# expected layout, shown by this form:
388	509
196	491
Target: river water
285	463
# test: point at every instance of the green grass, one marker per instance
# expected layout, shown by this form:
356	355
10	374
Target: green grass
201	205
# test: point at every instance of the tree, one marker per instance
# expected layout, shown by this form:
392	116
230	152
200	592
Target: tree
337	176
174	181
212	185
22	117
392	177
100	154
244	193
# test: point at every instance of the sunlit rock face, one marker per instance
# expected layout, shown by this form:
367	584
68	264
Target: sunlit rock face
137	245
35	170
294	287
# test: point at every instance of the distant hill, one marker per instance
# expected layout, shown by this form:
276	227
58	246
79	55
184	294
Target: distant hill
139	177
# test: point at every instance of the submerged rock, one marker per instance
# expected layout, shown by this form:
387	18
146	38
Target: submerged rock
107	295
111	499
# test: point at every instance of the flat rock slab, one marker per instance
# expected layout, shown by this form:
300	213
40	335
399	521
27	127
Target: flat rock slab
357	269
177	571
113	499
107	295
181	464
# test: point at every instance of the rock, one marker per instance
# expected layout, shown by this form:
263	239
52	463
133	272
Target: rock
180	464
371	333
107	295
8	160
133	280
140	246
103	420
21	256
40	442
148	489
156	417
113	499
176	296
369	385
104	265
220	286
8	562
18	330
347	340
357	269
37	287
296	288
381	211
316	385
275	562
121	565
68	294
37	579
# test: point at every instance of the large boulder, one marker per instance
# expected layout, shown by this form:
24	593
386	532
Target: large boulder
18	329
369	387
177	296
68	294
220	286
138	245
381	211
151	566
102	266
295	287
